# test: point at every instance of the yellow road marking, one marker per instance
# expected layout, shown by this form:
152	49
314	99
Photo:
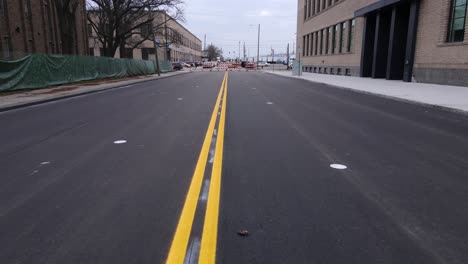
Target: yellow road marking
210	226
184	227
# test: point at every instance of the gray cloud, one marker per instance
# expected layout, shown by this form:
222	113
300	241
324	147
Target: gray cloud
225	23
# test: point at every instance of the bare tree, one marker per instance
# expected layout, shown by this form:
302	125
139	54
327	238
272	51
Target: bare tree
116	22
66	13
213	52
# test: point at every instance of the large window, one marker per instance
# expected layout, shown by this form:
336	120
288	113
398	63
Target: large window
303	45
305	9
457	21
335	35
316	43
321	41
351	35
342	36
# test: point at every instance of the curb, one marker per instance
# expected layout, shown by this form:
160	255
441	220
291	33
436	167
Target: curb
433	106
44	101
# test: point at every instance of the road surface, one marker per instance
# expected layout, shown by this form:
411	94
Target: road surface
178	170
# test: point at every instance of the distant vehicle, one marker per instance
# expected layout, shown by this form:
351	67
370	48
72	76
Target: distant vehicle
263	64
191	63
208	64
197	63
185	64
177	66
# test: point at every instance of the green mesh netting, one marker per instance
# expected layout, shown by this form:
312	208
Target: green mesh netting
40	70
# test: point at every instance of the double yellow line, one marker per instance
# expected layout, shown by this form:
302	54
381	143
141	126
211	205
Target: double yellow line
210	227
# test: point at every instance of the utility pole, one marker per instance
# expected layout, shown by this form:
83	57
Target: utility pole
239	53
258	45
204	44
156	54
166	46
287	57
244	50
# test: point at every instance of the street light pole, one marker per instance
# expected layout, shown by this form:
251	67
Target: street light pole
258	45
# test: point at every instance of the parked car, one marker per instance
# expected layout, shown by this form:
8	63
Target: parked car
185	64
263	64
177	66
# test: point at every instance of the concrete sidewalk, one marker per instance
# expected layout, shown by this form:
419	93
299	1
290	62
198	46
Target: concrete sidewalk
9	101
443	96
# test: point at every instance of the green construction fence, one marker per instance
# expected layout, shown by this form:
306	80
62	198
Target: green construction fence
40	70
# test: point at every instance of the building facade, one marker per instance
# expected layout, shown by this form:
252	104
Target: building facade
32	26
175	42
409	40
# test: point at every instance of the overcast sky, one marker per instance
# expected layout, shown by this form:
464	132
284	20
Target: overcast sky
225	23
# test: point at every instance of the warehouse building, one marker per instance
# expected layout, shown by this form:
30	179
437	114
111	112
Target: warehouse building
409	40
173	42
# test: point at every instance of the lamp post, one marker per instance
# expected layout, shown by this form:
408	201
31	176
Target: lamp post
258	45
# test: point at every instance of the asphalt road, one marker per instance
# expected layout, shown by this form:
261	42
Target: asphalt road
69	194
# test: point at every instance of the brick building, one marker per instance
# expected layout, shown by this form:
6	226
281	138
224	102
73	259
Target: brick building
182	45
32	26
409	40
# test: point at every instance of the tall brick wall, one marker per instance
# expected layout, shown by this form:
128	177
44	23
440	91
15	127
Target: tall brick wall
432	50
31	26
436	60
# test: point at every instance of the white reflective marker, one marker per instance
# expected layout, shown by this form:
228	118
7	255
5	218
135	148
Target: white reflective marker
270	103
338	166
180	99
45	163
120	142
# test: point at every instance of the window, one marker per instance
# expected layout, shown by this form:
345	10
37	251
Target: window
303	45
312	35
351	35
146	30
305	9
335	34
128	54
321	42
313	7
456	31
316	43
342	37
1	7
145	52
329	32
307	45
